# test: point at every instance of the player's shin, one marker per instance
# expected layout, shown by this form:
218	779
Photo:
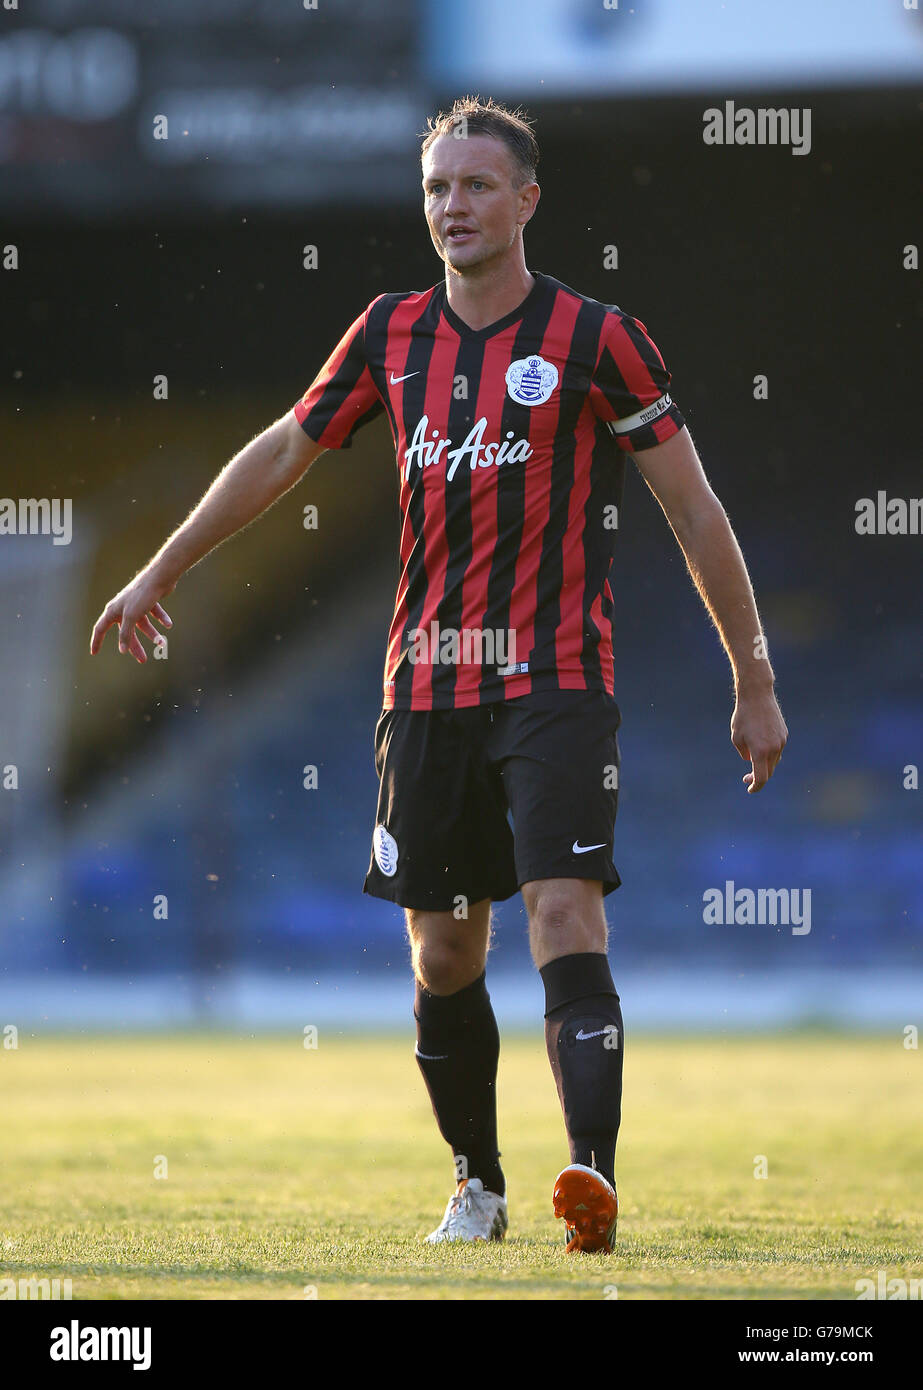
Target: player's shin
458	1047
584	1037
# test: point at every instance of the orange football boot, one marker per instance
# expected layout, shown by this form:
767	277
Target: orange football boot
590	1208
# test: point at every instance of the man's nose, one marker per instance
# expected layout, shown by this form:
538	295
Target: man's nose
455	204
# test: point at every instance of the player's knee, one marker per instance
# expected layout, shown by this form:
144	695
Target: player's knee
446	964
564	917
554	908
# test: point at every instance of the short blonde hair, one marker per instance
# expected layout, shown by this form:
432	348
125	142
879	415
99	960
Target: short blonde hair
489	117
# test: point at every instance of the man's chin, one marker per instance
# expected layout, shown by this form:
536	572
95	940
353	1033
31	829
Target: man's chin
464	258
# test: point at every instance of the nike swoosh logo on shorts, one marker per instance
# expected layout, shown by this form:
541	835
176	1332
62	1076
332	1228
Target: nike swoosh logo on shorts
582	1037
585	849
443	1057
396	379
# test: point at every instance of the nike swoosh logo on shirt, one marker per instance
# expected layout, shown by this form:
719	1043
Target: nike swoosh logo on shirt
585	849
427	1057
396	379
582	1037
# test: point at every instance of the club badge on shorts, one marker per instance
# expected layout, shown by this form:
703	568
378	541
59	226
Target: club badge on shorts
531	380
385	848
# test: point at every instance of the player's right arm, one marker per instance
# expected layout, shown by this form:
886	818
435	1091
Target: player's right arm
339	402
259	475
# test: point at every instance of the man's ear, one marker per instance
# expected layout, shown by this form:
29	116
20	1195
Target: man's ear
534	193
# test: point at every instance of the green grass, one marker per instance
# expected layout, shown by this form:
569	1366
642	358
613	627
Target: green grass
291	1168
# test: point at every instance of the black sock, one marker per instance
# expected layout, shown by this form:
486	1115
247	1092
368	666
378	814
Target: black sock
458	1047
584	1037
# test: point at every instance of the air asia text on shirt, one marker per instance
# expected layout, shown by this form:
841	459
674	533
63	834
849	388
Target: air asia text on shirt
426	452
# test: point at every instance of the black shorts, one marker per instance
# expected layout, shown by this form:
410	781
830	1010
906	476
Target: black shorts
450	778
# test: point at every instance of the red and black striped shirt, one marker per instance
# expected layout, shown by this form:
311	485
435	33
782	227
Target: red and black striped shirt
510	442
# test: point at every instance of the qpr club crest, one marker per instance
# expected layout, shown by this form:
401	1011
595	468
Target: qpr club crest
385	848
531	380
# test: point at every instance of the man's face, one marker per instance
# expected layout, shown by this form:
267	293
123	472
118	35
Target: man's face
472	209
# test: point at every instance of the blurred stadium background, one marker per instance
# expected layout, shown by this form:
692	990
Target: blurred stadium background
291	127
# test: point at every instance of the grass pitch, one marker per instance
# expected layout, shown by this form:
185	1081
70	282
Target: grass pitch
295	1172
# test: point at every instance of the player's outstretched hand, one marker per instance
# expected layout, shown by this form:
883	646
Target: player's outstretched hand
133	609
759	734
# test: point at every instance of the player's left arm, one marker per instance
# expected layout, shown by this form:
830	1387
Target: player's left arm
674	473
